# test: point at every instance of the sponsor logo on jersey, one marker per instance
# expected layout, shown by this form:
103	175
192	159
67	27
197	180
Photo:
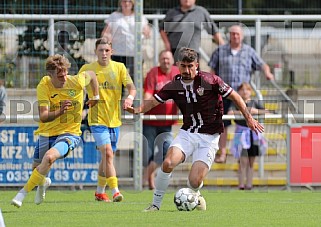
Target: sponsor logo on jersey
200	91
72	93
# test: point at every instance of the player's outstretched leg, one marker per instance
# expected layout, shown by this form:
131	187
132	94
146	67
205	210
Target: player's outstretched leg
35	179
18	199
41	191
201	201
161	184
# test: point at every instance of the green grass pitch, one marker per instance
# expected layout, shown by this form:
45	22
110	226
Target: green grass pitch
224	208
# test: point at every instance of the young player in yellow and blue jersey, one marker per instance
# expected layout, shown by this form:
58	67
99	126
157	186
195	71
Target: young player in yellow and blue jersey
60	103
105	118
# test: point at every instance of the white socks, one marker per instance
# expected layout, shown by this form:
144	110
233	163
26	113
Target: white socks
195	189
161	184
114	190
23	191
100	190
21	195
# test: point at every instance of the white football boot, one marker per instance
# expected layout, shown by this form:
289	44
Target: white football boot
201	202
151	208
17	200
41	191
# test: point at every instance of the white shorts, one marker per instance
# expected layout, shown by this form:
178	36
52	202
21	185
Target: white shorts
203	147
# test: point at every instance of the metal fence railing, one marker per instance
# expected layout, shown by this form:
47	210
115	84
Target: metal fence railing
26	40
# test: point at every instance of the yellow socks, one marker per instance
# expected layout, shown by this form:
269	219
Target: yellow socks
112	182
101	181
101	184
35	179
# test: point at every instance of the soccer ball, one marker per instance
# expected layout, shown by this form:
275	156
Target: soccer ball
186	199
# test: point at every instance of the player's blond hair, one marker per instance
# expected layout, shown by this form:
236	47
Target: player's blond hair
57	62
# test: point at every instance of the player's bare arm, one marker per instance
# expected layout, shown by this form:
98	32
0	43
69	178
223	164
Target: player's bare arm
252	110
251	122
128	102
146	106
46	115
91	80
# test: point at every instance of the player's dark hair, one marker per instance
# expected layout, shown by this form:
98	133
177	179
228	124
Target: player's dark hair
187	54
103	40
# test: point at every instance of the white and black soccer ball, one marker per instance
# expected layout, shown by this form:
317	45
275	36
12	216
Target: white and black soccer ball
186	199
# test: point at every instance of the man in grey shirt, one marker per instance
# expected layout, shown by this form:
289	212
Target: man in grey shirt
182	27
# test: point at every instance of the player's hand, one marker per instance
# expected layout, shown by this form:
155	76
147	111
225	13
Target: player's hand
65	105
91	103
127	103
255	126
130	109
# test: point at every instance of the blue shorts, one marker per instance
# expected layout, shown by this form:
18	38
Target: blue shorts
155	143
63	143
104	135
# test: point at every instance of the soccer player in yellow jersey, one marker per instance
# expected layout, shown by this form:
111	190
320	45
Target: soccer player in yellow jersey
105	118
60	103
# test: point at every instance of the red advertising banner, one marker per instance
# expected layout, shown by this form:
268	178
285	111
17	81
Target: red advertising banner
305	155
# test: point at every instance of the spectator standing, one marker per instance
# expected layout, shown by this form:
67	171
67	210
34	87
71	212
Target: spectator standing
182	27
120	29
246	144
105	118
234	62
158	132
198	95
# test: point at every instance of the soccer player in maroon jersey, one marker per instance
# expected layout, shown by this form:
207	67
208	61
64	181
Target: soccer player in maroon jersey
198	95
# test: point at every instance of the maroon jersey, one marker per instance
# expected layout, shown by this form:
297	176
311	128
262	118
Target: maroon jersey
200	101
154	81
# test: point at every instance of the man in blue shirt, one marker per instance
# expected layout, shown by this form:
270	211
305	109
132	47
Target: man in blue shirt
234	62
